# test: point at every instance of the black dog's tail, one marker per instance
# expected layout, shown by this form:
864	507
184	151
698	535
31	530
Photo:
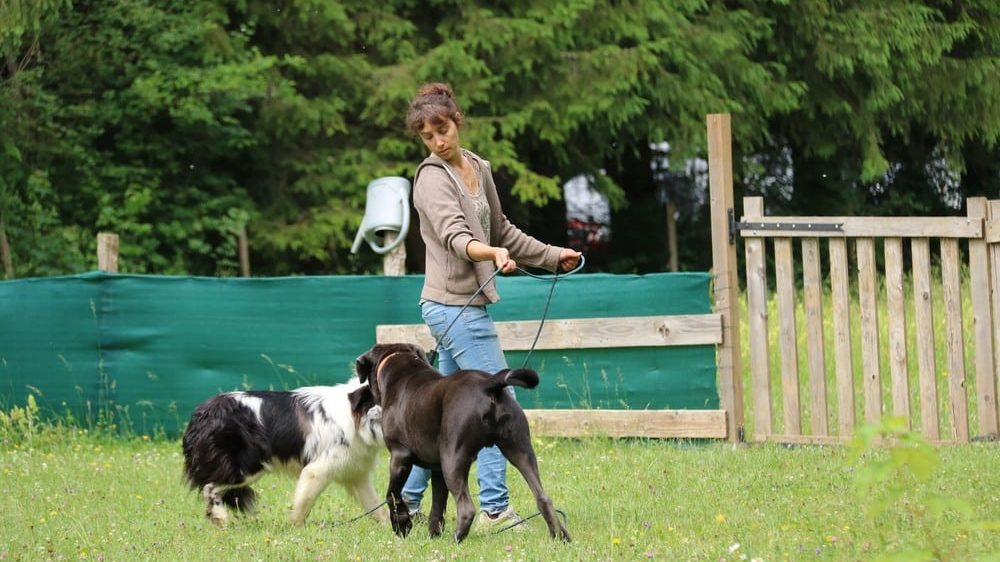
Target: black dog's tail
525	378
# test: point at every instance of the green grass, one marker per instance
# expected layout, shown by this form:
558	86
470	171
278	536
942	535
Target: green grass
84	494
72	494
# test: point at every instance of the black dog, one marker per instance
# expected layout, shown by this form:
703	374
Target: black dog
441	423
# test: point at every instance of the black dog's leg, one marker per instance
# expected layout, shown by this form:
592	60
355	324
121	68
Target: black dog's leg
439	503
399	513
523	457
455	469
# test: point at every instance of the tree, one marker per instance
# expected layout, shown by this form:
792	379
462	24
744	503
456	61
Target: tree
175	126
895	93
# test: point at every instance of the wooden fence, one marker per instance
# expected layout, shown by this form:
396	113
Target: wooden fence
901	365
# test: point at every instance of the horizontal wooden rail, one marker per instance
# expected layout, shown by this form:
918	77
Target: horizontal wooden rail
600	333
691	424
857	227
835	440
583	333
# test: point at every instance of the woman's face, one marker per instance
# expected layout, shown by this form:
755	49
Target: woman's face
441	139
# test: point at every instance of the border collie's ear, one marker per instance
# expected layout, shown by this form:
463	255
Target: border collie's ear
361	399
363	366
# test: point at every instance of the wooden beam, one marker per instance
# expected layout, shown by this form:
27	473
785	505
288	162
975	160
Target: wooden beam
865	227
244	250
5	256
394	261
107	252
839	440
725	279
693	424
760	363
982	324
583	333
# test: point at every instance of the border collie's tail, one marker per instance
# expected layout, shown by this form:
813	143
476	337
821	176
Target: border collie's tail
525	378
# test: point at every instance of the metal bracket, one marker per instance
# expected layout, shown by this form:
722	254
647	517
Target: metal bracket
735	226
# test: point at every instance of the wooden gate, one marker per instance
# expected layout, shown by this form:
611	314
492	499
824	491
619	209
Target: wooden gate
870	317
879	272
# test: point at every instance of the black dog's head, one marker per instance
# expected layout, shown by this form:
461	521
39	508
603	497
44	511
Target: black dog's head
367	365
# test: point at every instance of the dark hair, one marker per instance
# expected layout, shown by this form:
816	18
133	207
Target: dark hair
434	103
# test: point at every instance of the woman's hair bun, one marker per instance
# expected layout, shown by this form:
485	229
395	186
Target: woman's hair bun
435	89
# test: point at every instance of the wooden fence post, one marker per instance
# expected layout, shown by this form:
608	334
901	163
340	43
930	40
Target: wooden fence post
8	263
724	271
394	261
107	252
982	323
244	250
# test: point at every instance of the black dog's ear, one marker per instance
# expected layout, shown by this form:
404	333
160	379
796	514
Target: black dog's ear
363	366
361	399
419	352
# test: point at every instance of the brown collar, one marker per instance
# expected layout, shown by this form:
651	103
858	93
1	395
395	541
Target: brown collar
378	368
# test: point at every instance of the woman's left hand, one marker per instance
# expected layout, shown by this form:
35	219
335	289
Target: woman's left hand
568	259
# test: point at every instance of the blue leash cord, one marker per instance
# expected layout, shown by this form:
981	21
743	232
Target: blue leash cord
432	356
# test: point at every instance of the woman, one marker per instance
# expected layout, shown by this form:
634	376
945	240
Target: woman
467	236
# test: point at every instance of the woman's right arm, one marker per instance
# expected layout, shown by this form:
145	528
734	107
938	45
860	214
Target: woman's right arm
498	255
436	199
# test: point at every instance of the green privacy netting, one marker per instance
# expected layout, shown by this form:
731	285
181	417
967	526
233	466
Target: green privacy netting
149	348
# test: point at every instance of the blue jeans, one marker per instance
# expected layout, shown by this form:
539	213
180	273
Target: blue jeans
471	343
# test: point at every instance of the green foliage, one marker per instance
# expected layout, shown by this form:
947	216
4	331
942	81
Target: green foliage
19	425
905	82
900	478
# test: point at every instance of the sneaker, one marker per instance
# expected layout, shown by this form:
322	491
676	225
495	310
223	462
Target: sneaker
418	518
500	520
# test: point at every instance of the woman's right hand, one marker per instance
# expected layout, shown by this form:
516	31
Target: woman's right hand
503	261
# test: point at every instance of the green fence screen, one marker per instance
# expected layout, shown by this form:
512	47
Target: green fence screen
147	349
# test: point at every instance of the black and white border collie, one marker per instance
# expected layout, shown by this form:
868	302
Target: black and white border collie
321	434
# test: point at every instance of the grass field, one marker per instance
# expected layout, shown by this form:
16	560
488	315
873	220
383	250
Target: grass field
72	494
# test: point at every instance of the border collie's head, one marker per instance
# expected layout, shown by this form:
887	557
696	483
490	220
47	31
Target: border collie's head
367	415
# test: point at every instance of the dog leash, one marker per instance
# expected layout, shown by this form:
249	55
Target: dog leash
349	521
432	356
507	528
532	516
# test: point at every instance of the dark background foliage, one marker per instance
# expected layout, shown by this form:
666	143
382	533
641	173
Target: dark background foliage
174	124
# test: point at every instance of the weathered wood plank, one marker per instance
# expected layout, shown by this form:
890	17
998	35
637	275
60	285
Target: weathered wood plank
952	283
107	252
896	304
582	333
760	369
725	273
812	287
993	215
866	227
868	301
693	424
787	335
982	324
925	330
841	296
838	440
